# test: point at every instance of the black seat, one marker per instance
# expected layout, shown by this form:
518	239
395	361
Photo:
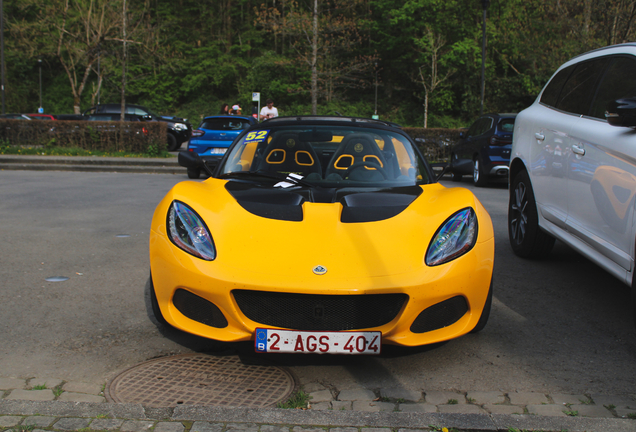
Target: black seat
287	154
355	149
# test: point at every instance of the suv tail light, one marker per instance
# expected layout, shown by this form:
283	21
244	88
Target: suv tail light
197	133
495	140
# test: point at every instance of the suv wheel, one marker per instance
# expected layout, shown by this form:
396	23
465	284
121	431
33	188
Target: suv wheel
173	144
526	238
479	178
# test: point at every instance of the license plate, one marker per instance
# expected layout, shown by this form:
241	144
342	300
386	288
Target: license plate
315	342
218	151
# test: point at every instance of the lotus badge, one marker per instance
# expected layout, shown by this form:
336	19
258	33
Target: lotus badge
320	270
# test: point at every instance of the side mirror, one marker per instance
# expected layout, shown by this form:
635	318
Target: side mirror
622	112
192	160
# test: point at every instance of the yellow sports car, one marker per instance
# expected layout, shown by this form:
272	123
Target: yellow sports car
321	235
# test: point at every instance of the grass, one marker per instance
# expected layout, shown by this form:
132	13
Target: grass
631	416
39	387
63	151
452	402
298	400
24	428
571	413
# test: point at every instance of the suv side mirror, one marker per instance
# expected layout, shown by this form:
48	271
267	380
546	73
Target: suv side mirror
622	112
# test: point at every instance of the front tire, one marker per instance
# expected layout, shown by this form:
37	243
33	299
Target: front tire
526	238
156	311
173	144
479	177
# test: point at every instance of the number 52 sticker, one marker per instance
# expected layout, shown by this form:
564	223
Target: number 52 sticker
256	136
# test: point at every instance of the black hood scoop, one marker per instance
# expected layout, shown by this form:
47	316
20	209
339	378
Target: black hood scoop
358	205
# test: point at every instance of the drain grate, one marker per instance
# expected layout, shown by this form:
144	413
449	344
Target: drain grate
199	379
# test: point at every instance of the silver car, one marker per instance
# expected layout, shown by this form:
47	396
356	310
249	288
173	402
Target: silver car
573	164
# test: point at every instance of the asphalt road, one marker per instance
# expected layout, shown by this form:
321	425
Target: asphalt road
560	325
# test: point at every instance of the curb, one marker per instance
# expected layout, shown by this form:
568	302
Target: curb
257	417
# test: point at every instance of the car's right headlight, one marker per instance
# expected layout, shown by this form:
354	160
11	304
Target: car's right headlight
456	236
188	232
180	126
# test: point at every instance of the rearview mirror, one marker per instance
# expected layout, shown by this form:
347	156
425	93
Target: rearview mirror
622	112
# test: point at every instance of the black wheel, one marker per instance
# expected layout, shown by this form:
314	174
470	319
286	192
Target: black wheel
173	144
156	311
194	173
526	238
634	299
479	177
485	313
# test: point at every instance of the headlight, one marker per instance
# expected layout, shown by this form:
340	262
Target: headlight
188	232
456	236
180	126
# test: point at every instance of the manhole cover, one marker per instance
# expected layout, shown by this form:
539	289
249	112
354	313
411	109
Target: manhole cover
199	379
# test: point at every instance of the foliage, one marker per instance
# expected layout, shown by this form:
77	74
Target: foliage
185	58
299	399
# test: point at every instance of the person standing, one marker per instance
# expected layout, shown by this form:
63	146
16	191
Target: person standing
269	110
225	109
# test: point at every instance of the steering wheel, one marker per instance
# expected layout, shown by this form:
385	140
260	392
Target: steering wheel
368	164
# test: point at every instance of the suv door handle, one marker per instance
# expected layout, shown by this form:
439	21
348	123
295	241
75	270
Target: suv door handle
539	137
578	149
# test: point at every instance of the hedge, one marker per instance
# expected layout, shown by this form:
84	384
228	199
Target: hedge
435	144
106	136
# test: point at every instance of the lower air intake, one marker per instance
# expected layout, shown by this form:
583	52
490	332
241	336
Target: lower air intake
440	315
198	309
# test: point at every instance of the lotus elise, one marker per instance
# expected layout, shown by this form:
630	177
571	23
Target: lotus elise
321	235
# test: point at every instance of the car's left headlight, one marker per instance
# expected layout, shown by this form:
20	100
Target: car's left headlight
456	236
188	232
180	126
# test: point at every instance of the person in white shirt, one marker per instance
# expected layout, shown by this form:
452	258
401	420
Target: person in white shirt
269	110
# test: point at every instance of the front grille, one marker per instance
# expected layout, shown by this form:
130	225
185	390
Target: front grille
319	312
198	309
440	315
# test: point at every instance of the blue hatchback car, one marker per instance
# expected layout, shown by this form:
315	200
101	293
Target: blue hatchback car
213	137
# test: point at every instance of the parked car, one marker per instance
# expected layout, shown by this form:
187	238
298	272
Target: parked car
213	137
291	243
42	116
69	116
179	130
15	116
583	193
484	150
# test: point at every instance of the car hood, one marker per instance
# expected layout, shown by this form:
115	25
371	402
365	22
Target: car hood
257	244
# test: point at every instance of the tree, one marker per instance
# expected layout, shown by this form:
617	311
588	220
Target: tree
432	46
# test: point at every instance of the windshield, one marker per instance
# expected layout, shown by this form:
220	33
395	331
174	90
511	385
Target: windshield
326	156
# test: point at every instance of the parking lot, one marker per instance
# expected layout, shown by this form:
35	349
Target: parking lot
558	325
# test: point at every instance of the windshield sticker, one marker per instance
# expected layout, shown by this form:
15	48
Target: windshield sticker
256	136
292	177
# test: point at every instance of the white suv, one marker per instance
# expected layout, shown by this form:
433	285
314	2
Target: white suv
573	164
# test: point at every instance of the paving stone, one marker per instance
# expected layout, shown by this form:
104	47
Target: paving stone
442	397
321	406
71	424
80	387
244	427
400	393
562	399
136	426
203	426
356	395
48	382
106	424
320	396
550	410
413	430
373	406
31	395
345	429
341	405
39	421
271	428
81	397
591	411
9	421
304	429
481	398
460	409
625	412
503	409
169	427
420	407
313	387
527	398
12	383
377	429
617	401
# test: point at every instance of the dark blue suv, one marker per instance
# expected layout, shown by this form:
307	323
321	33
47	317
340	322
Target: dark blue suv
484	151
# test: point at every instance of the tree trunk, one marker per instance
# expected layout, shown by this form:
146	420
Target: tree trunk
314	63
123	74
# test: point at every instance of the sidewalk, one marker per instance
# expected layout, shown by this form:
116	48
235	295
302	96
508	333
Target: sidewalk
48	404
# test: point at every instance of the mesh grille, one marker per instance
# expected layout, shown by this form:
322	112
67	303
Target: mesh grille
198	309
440	315
319	312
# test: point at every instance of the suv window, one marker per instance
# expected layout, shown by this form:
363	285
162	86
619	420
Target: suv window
550	95
507	125
576	95
225	124
480	126
619	82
